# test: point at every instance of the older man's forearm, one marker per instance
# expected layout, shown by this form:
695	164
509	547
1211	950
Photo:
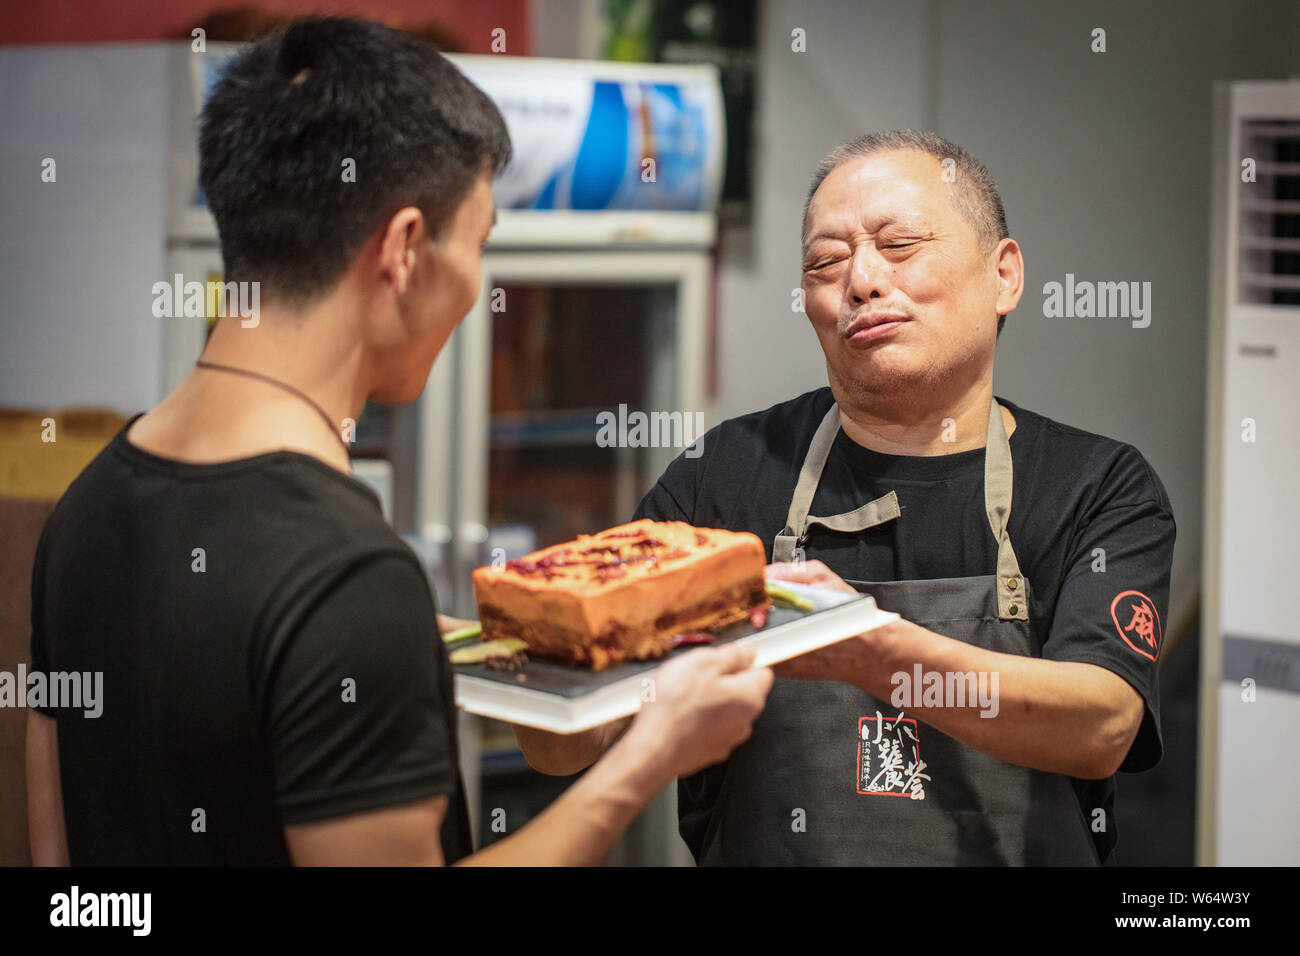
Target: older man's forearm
1060	717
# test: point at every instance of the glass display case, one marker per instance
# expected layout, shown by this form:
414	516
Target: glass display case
525	443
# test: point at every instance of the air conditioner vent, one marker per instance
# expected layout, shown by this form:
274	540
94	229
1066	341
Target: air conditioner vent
1268	252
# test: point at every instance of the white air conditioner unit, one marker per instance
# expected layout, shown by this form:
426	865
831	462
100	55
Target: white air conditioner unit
1250	667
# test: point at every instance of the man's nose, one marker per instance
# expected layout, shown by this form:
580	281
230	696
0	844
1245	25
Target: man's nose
869	277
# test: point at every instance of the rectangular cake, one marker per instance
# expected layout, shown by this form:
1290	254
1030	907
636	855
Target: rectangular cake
623	594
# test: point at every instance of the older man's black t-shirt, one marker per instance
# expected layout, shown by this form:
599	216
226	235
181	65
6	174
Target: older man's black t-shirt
1090	522
270	656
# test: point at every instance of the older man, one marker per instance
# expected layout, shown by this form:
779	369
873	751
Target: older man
987	725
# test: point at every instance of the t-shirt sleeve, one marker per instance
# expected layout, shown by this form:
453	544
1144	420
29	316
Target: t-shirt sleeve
356	713
1113	606
660	505
674	495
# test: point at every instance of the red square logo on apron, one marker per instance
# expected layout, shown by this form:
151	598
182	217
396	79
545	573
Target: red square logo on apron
889	757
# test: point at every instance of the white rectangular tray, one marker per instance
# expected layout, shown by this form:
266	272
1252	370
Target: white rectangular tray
565	699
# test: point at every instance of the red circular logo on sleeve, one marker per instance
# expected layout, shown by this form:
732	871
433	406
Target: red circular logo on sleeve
1138	622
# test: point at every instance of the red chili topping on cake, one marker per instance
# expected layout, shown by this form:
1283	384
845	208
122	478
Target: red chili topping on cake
691	638
602	558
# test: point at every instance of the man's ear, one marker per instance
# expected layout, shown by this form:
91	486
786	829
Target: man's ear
398	245
1011	276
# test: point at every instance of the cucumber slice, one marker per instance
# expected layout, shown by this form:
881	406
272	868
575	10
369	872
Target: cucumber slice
788	598
463	633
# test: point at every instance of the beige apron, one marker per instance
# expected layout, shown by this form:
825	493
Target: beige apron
914	795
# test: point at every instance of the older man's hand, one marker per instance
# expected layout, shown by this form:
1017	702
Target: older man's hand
847	660
813	573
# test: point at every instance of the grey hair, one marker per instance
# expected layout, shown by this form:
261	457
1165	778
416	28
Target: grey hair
975	197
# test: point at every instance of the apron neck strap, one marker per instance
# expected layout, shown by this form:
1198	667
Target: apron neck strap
797	521
1012	601
997	504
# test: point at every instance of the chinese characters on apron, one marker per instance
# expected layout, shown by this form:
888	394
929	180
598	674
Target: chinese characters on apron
832	775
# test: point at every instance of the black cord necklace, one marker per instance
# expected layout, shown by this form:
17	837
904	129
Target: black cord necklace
284	385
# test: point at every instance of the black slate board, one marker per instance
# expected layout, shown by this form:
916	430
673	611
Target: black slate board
572	680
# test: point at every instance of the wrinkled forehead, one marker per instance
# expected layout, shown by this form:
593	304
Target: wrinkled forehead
903	188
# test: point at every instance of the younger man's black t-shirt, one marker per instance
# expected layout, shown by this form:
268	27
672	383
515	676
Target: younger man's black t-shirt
270	656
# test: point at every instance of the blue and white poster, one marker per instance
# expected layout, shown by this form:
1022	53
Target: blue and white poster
585	142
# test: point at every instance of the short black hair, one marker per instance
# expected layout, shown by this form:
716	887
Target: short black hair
290	110
975	195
